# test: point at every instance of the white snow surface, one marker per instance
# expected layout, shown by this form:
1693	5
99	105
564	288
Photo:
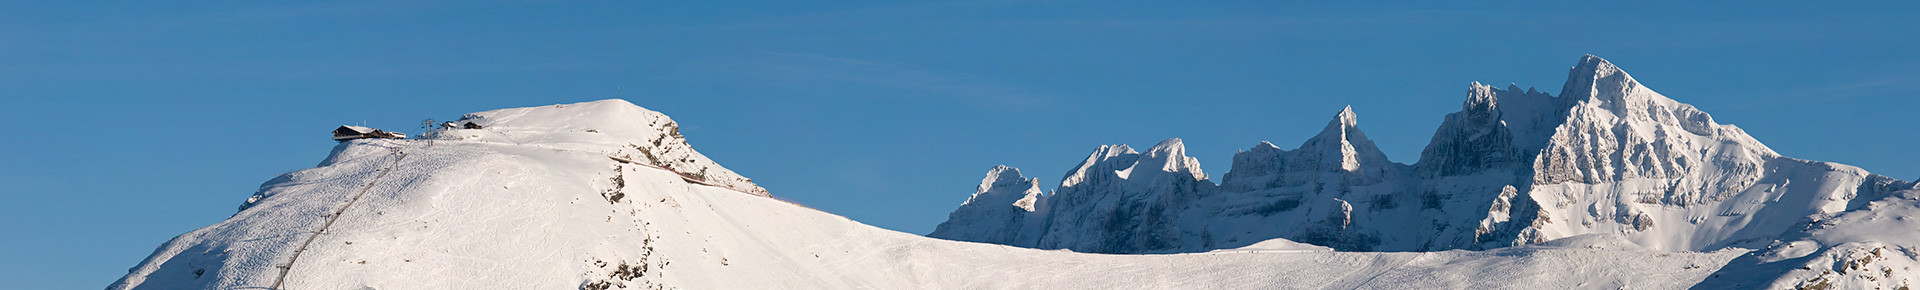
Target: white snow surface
521	208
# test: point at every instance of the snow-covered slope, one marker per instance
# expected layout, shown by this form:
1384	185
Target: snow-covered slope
536	203
1871	245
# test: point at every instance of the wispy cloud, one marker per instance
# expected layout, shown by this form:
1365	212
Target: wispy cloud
811	71
1869	84
1896	86
1857	89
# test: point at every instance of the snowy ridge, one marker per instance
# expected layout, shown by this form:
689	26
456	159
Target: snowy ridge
607	126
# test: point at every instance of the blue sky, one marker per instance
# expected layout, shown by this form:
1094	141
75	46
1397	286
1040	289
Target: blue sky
132	122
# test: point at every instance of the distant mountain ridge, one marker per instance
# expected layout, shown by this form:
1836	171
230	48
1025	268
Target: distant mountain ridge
1606	156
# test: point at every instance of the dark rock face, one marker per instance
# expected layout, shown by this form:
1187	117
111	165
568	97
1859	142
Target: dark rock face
1472	140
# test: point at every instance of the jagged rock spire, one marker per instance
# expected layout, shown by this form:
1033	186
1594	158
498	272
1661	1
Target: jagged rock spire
1482	103
1342	146
1345	118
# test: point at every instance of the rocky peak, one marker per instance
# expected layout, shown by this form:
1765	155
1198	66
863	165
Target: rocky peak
1102	162
1005	184
1116	190
1003	210
1616	129
1170	156
1491	130
1255	168
1595	77
1596	82
1001	176
1481	106
1344	119
1341	145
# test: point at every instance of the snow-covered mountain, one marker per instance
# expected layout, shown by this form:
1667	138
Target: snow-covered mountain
606	195
560	197
557	197
1607	157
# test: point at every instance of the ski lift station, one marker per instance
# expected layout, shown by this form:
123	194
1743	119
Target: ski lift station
345	133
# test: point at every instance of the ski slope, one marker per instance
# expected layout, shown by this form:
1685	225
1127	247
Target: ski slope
533	201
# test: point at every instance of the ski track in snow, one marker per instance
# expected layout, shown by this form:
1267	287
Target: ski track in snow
334	216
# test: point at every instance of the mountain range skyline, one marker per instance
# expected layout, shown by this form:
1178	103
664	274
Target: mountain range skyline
1608	185
1498	173
136	122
